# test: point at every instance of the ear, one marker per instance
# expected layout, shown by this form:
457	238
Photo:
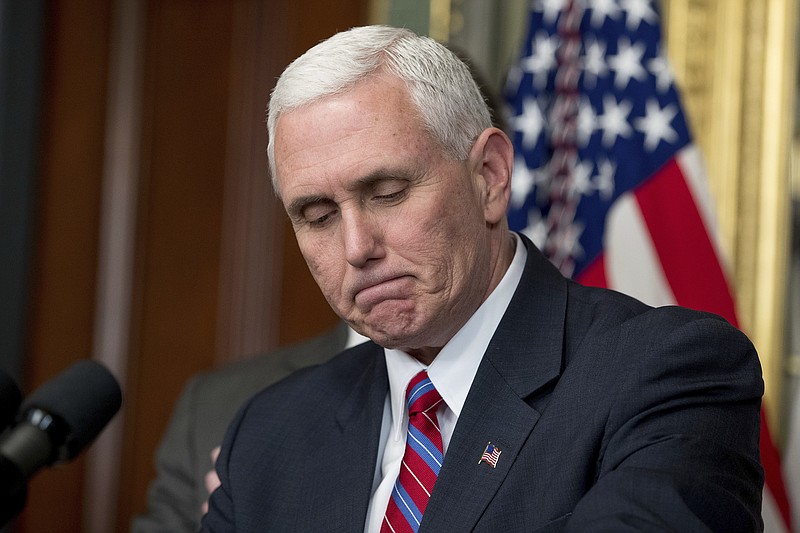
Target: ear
492	159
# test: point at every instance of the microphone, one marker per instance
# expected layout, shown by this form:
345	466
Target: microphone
10	398
53	425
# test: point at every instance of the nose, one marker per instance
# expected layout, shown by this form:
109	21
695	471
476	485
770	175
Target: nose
362	238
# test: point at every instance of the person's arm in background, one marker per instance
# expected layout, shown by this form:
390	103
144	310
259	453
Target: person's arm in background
178	495
212	479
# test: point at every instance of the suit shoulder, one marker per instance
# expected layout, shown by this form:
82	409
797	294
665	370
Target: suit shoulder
609	307
603	315
604	302
324	382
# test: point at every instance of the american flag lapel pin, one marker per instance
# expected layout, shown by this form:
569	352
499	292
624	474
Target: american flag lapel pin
490	455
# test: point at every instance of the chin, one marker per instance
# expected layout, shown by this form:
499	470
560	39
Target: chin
384	338
404	340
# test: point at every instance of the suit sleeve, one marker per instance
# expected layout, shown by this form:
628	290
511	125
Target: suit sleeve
171	502
680	451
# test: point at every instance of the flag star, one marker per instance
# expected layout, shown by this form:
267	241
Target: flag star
602	9
582	178
551	9
605	179
656	124
536	230
573	239
614	120
567	241
659	66
521	183
513	79
587	122
542	58
594	63
637	11
627	63
531	122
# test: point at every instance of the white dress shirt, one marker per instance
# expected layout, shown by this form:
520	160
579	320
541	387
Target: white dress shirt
452	373
354	338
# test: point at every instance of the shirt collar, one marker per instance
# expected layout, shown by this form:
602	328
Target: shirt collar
354	338
454	368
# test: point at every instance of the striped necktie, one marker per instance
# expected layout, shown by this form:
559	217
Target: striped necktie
421	461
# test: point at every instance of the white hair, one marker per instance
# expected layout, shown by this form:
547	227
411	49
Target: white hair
441	86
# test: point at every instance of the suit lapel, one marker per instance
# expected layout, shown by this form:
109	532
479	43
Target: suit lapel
344	465
506	398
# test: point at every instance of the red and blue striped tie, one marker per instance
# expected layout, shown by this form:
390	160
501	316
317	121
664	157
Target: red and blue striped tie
421	460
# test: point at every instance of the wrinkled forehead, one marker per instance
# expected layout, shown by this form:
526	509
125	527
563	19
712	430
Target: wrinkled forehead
372	121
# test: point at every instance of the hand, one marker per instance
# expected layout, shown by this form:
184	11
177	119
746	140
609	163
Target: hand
211	479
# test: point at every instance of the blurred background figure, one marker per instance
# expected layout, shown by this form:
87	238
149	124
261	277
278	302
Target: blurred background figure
177	496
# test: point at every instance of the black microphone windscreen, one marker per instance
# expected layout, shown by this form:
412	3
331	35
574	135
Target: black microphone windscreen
10	398
85	396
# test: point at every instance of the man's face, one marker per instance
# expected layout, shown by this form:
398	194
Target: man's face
392	229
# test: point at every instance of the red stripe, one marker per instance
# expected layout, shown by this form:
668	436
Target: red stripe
399	523
423	472
771	461
594	275
683	246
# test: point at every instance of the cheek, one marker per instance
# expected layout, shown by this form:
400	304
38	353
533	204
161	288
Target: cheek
438	241
450	216
323	264
461	231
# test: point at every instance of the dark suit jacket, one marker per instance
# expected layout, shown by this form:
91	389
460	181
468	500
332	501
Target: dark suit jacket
201	416
610	416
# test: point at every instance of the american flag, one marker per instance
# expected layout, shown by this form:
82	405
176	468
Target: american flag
607	181
490	455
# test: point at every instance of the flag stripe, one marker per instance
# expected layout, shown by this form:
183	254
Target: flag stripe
696	279
770	460
626	238
595	273
690	160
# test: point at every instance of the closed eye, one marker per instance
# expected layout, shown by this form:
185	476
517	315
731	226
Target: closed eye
320	222
389	191
390	197
319	214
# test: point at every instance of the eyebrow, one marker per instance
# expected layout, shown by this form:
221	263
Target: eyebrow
383	174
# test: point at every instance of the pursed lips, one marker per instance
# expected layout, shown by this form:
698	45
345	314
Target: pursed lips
369	292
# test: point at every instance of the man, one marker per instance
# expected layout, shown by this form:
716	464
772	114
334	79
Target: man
205	408
177	498
497	395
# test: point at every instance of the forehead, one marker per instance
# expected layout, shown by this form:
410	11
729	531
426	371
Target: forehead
363	131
